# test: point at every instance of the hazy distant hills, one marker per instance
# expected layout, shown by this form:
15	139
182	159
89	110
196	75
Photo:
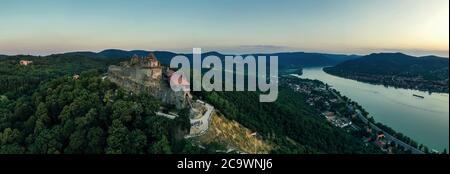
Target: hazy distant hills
428	73
381	63
393	64
110	53
295	59
285	60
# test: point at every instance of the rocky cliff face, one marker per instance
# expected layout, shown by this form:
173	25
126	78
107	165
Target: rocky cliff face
140	79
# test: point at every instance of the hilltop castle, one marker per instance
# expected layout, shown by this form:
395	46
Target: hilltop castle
141	74
146	74
149	64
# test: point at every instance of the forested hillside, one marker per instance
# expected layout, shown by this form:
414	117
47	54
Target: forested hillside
17	80
285	60
88	115
289	122
43	109
428	73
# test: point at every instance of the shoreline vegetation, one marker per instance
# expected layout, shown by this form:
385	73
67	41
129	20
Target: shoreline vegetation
395	82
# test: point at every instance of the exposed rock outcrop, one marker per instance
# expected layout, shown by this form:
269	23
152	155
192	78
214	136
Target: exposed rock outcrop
147	74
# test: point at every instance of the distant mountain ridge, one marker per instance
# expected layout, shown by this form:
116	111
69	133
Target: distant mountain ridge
293	59
285	59
428	73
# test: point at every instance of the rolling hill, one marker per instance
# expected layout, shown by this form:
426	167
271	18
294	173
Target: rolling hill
428	73
286	60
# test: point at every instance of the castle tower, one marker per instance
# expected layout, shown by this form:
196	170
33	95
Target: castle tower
151	58
135	60
154	66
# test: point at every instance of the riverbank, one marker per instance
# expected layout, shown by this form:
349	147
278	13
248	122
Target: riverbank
397	108
414	83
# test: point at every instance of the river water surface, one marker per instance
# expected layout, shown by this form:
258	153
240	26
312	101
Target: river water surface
425	120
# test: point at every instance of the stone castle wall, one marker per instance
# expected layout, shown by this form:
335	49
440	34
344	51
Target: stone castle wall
138	79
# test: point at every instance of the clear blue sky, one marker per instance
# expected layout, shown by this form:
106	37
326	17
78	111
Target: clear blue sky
235	26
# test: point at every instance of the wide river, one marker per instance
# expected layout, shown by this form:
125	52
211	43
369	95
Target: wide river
424	120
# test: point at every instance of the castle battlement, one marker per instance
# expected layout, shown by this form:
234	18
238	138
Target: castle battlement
145	62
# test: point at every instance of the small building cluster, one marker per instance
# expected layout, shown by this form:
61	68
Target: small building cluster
76	77
25	62
341	122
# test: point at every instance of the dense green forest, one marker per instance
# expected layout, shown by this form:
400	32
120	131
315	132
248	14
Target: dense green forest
89	115
44	110
287	119
17	80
